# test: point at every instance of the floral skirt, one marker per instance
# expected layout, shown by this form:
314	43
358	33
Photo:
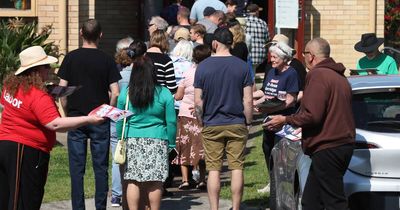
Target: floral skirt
189	144
146	159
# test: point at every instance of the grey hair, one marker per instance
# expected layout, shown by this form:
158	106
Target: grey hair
183	49
123	43
159	22
320	47
282	50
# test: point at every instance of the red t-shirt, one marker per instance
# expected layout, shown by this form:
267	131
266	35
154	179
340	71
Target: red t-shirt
25	116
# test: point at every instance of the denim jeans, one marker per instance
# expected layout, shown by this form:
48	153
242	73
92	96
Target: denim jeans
116	187
77	149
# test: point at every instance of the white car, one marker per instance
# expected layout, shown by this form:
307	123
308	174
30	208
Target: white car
372	180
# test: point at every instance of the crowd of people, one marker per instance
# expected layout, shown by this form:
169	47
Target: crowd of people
191	89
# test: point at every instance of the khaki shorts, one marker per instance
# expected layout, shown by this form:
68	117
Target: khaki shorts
229	138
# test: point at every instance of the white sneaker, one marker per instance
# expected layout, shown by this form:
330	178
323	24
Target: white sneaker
266	189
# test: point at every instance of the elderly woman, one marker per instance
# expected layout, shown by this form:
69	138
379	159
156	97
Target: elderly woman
281	84
157	23
181	57
28	128
149	133
281	81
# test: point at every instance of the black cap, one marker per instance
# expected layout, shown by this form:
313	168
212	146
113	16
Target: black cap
208	11
223	35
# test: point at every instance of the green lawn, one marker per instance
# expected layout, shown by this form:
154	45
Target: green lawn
255	177
58	181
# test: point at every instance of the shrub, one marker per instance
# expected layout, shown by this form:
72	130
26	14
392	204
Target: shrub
15	36
392	22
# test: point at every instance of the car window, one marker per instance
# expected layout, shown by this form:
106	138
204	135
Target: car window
377	111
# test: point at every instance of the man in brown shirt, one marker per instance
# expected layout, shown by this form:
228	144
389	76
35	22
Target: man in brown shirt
327	123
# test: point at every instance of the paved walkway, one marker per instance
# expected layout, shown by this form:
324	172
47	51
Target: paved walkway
182	200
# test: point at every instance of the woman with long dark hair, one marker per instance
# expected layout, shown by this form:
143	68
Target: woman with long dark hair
149	133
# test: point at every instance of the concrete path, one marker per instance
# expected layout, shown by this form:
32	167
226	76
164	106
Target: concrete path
181	200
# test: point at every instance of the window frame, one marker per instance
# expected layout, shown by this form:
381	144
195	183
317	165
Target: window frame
12	12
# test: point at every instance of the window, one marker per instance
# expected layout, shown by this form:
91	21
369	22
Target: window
378	111
17	8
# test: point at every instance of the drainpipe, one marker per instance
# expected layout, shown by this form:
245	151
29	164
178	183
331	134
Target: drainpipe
372	16
62	19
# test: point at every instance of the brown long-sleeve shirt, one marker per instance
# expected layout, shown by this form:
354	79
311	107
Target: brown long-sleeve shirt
325	116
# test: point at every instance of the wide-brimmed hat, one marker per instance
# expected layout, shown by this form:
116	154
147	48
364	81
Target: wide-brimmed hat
369	42
34	56
278	38
253	8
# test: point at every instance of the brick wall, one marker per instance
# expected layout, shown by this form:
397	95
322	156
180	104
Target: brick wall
341	22
118	18
47	12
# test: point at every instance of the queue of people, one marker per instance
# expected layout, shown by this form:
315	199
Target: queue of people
191	91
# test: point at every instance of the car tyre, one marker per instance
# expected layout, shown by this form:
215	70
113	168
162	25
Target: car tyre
272	193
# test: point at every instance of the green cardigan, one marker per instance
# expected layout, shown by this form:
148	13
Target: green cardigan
156	121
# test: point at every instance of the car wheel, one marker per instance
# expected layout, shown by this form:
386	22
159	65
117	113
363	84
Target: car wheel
298	199
272	193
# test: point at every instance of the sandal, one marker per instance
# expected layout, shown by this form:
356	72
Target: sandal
184	186
201	186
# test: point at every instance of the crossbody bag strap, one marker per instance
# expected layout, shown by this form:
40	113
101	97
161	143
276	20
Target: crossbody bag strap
124	123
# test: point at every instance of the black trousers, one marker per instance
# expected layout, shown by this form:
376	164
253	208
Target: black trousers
268	143
23	174
324	186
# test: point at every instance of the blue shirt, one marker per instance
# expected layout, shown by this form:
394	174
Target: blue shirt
222	79
198	7
126	76
286	81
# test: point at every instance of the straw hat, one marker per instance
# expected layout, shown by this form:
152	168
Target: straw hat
34	56
278	38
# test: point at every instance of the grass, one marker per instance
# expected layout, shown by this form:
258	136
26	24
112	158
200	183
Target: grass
255	177
58	185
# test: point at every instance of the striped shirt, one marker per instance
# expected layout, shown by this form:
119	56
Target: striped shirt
165	70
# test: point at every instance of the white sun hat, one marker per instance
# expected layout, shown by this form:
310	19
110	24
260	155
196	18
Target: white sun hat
34	56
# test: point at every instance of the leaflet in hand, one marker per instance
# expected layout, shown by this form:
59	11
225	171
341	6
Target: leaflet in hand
289	132
57	91
111	112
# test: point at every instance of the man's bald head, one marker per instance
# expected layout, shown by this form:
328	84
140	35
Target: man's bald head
319	47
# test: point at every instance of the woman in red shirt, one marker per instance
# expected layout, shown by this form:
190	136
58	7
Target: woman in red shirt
29	122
